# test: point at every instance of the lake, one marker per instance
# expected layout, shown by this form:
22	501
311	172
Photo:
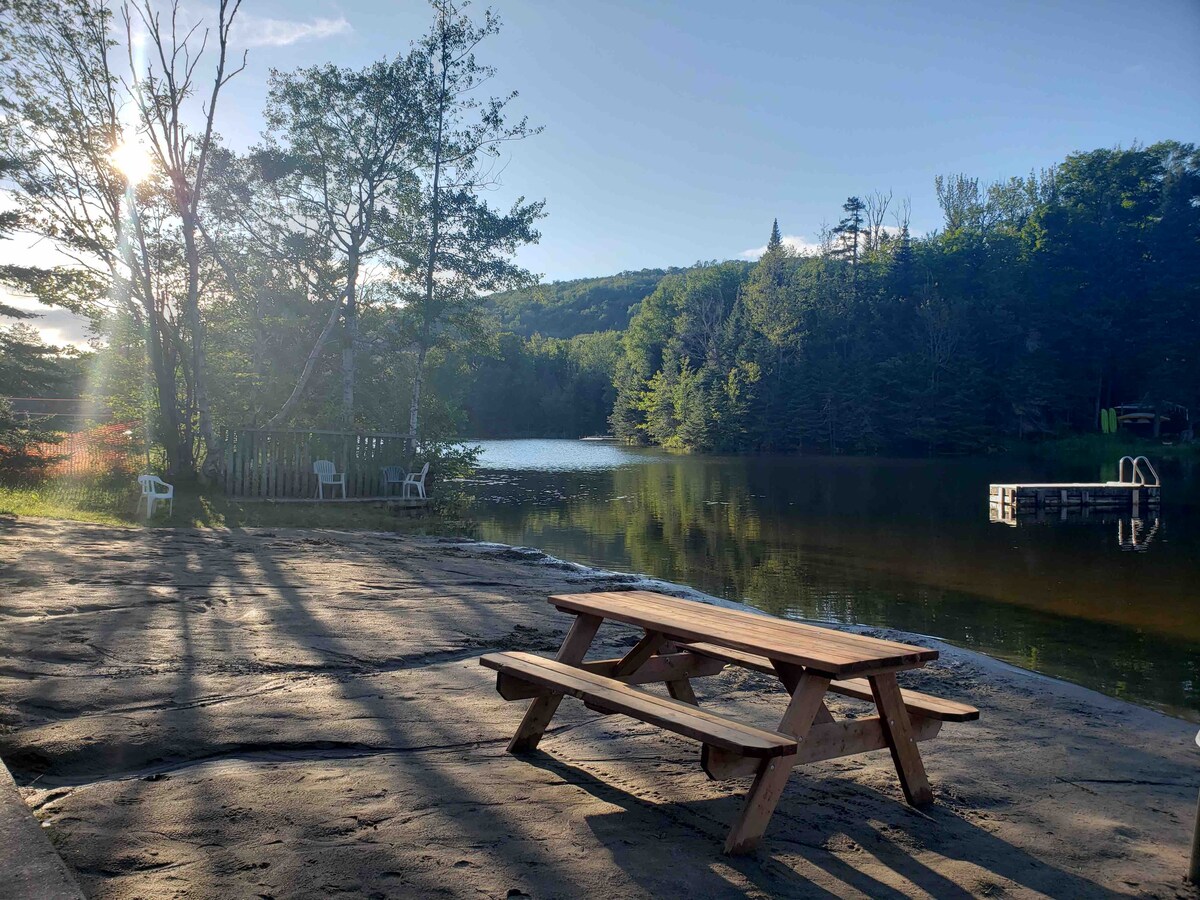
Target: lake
1106	601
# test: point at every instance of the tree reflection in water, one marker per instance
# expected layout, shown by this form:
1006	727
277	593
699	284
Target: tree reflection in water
899	543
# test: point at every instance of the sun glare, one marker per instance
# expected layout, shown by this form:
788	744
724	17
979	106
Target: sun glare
132	160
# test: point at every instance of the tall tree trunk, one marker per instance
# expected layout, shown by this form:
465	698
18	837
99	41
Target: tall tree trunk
350	337
309	364
179	461
199	364
435	214
260	362
414	406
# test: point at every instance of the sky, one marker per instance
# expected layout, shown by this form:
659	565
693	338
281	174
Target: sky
677	131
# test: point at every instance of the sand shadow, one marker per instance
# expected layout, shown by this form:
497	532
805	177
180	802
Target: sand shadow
808	825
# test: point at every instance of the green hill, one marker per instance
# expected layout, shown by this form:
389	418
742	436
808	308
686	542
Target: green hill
563	309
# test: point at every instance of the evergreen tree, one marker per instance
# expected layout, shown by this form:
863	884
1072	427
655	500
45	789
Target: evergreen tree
26	445
765	296
775	242
849	234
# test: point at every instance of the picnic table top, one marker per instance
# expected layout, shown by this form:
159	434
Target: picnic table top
835	653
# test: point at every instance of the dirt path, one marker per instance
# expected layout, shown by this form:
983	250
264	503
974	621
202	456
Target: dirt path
300	714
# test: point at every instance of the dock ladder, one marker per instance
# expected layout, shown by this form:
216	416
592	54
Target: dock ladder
1136	476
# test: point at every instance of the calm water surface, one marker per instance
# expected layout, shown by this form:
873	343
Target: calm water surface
1106	601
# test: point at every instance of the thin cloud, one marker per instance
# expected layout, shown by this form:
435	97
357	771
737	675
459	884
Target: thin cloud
59	327
795	242
257	31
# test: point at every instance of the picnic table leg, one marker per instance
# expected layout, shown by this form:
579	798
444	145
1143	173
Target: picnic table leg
790	676
897	730
542	709
681	688
773	773
638	655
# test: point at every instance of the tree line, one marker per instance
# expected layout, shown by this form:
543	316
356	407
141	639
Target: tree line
1041	301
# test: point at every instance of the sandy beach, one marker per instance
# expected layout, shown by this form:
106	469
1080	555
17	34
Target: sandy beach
291	713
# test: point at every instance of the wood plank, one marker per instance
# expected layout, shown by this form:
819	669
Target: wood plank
847	738
658	669
898	731
681	690
773	774
822	649
663	668
790	677
614	696
737	657
917	703
639	653
730	621
541	710
800	631
511	687
828	741
842	642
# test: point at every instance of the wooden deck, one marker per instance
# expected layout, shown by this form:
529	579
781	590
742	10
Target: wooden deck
1101	494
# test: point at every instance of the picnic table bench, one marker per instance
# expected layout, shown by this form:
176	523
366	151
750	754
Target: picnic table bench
684	640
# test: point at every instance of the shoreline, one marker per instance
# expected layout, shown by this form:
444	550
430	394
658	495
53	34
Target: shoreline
301	712
641	581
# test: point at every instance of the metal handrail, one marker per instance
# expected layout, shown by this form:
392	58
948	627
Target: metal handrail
1137	476
1121	469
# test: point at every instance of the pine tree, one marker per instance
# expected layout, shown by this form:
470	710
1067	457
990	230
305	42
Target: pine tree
775	242
849	233
901	269
766	295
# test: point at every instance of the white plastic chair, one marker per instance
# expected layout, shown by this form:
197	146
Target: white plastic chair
327	473
412	480
392	475
155	490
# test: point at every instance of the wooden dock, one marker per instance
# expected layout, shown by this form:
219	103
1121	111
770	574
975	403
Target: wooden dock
1101	494
1134	491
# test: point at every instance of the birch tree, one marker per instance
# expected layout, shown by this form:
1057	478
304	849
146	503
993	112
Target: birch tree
339	163
77	128
460	246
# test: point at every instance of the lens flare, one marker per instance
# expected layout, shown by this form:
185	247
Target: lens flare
132	160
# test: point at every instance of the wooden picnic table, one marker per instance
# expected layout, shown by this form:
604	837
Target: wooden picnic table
684	640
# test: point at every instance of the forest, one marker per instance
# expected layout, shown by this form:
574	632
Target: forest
1041	300
347	271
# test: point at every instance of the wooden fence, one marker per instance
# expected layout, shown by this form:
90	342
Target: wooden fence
278	463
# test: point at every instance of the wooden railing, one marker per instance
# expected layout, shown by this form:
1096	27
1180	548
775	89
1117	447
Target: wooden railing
278	462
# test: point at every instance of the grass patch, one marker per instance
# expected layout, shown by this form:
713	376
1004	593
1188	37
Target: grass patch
1108	448
64	500
117	504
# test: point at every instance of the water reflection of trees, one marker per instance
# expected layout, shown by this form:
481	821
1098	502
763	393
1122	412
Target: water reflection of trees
793	542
